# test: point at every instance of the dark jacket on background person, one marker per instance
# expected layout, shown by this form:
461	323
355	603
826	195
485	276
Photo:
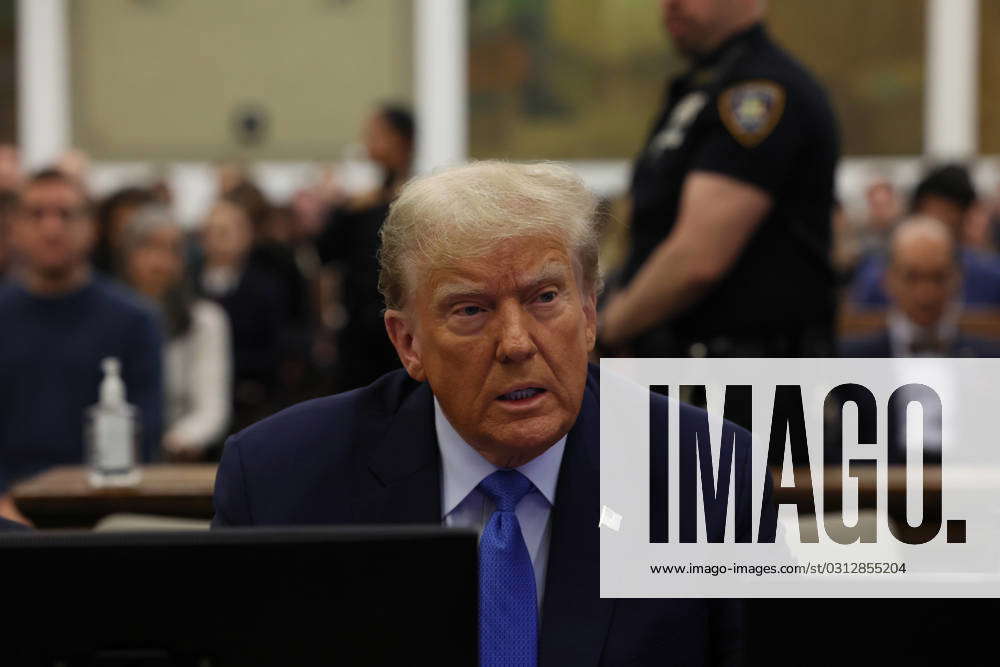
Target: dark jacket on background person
254	309
350	242
879	345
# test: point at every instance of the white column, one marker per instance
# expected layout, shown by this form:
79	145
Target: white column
951	108
43	108
440	45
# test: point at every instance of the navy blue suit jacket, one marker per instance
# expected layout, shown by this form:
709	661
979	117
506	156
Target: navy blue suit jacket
370	456
878	345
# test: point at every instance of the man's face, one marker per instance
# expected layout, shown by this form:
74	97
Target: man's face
884	206
52	232
923	279
697	26
503	341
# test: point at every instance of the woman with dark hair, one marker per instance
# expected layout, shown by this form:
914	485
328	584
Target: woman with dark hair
252	299
349	245
198	355
113	216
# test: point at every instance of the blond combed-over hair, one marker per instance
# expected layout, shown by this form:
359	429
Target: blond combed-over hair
465	212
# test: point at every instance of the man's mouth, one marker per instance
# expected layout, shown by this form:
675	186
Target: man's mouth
521	394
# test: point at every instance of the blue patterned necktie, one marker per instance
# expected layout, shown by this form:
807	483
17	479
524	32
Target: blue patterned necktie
508	603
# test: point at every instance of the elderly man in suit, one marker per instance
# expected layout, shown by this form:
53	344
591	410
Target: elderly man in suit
924	283
490	277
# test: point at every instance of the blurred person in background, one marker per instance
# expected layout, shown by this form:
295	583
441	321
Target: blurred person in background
349	245
8	205
251	298
273	255
198	358
991	211
11	179
855	240
297	225
59	323
114	213
947	194
923	281
885	207
286	228
11	176
732	201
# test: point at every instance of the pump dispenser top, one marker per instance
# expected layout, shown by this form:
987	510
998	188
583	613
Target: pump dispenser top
112	388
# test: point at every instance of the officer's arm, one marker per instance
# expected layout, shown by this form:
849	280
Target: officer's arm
718	215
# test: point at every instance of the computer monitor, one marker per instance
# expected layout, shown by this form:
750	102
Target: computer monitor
296	596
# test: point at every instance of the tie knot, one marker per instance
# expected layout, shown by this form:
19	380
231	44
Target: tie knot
506	488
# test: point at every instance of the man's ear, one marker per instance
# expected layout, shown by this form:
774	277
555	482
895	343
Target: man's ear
401	330
590	312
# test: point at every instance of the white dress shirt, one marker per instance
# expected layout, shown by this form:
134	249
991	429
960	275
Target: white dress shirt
462	504
903	332
198	370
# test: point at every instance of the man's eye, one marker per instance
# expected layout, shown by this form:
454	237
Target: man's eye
469	311
547	297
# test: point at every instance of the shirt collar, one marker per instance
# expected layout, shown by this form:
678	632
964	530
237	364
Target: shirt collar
463	468
903	332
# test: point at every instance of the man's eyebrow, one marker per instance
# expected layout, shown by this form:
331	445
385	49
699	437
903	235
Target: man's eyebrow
552	272
457	290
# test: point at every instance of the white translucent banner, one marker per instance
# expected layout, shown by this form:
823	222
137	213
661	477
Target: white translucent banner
885	475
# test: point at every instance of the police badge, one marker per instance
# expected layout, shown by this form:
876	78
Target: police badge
750	110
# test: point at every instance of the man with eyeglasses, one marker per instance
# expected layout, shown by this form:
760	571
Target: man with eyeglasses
57	322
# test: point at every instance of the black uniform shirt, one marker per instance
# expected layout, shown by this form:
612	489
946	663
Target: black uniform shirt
751	112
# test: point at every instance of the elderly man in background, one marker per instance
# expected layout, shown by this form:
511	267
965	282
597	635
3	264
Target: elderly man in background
924	284
490	275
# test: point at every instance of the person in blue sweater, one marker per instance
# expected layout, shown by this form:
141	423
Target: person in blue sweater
58	320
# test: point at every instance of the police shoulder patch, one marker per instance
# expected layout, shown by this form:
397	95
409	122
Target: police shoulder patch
750	110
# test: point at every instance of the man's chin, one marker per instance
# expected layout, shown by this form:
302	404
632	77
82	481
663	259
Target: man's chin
528	438
55	271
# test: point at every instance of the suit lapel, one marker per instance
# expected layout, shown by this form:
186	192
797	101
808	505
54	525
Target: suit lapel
404	470
575	619
404	486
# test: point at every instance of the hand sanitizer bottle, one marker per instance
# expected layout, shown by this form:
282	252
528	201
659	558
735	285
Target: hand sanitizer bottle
113	433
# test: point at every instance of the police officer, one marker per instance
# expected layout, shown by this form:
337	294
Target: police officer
732	200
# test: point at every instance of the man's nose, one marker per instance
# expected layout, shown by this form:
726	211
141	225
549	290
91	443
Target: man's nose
516	343
52	222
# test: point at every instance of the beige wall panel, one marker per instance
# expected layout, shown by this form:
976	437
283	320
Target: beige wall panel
163	79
